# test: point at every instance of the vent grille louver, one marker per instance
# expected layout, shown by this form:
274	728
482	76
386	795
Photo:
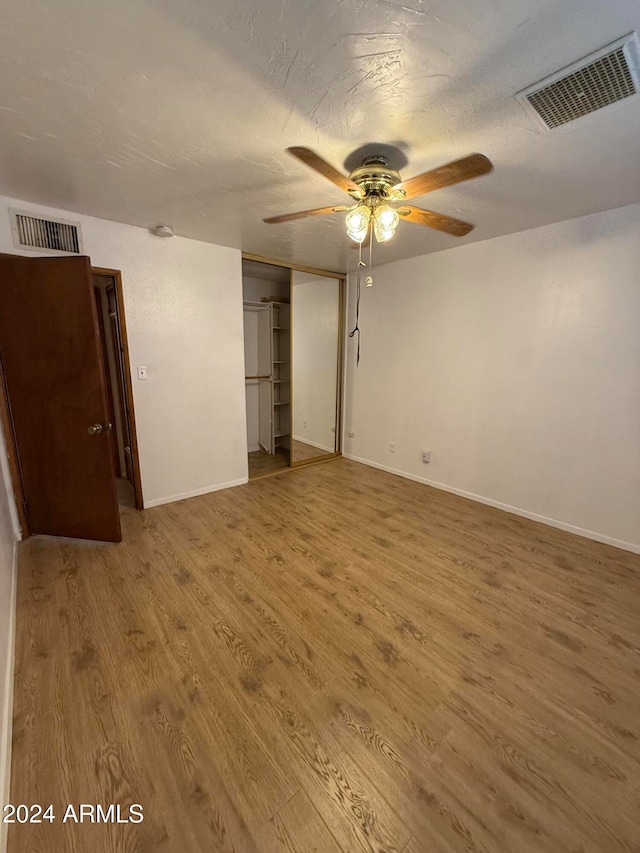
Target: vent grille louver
38	233
608	76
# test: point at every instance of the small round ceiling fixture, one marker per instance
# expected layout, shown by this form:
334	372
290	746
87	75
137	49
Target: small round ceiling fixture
162	231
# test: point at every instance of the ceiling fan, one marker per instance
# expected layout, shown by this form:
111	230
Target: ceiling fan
379	194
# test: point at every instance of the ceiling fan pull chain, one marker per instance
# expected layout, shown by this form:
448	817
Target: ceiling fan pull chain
356	328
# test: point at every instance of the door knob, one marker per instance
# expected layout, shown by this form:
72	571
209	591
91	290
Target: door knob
95	429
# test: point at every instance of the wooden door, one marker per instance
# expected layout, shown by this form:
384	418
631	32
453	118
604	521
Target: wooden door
120	390
52	364
113	438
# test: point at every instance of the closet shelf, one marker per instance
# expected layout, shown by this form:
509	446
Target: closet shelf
272	351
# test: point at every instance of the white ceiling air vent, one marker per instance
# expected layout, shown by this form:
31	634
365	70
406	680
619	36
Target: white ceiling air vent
45	235
604	77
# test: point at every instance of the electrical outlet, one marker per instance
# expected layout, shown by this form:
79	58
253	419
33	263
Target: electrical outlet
426	456
304	424
352	433
392	446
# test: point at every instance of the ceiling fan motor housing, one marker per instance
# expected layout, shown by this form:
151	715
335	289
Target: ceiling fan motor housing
376	179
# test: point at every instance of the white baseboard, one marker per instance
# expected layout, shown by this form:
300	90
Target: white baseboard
195	493
6	710
314	444
543	519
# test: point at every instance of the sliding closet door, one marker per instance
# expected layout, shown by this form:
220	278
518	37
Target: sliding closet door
316	330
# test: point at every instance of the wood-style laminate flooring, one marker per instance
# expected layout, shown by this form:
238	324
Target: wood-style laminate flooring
263	464
335	661
303	451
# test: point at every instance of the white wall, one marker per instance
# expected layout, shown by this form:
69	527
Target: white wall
8	538
183	306
316	308
517	362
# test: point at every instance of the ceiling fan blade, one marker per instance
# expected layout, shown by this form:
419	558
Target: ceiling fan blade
318	211
445	176
311	159
455	227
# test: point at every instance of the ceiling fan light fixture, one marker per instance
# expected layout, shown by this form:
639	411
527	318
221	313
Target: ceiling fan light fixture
358	222
375	183
382	234
386	216
385	222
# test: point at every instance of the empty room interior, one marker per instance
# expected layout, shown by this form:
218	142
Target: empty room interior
320	426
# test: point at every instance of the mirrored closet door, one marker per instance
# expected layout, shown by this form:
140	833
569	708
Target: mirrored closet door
293	330
316	302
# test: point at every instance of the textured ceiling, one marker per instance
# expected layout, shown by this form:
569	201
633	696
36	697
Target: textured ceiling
179	111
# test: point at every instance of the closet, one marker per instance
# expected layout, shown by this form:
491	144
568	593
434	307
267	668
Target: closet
273	375
293	335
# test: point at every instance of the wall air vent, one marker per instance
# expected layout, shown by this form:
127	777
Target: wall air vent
604	77
38	234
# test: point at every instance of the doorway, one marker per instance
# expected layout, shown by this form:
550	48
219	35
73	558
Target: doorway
107	288
60	400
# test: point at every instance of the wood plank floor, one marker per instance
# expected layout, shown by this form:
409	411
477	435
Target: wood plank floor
303	451
263	464
336	661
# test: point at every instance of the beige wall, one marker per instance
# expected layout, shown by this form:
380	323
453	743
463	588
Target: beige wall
516	361
183	306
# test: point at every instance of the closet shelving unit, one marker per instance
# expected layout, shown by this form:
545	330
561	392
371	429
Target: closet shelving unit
280	371
273	373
